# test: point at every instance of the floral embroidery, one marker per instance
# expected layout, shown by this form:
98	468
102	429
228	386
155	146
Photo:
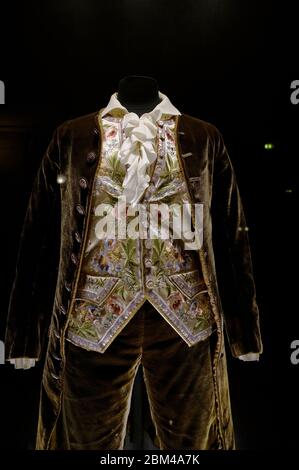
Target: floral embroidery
113	280
111	133
175	301
114	305
114	168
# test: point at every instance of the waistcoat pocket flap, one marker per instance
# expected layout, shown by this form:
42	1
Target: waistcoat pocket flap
96	288
189	283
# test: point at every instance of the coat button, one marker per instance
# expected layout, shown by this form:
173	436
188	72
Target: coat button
83	183
96	131
62	310
68	286
74	258
80	209
78	237
91	157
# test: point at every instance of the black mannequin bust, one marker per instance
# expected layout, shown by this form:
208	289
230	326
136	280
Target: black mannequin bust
138	94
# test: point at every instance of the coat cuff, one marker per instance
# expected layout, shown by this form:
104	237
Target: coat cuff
18	349
240	348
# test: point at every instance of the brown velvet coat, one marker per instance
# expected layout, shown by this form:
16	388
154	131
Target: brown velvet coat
52	244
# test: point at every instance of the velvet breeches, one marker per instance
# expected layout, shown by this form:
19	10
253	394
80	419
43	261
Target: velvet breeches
98	387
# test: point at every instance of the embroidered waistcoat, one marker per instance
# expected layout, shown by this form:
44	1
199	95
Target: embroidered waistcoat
119	274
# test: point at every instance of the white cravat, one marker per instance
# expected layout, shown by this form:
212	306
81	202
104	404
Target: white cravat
138	150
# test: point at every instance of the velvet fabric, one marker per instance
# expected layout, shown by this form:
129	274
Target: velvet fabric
179	383
53	240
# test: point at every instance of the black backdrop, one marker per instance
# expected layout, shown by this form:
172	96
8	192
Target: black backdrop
228	62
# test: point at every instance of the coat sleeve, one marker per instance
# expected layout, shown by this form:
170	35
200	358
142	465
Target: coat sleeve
233	258
32	294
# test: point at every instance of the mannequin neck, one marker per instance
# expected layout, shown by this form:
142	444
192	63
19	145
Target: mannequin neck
138	94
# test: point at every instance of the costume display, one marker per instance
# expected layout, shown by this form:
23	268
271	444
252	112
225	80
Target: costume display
104	306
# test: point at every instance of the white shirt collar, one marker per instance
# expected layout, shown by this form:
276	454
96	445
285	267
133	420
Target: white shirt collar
165	106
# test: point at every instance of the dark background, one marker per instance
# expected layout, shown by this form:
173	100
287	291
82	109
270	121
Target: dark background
224	61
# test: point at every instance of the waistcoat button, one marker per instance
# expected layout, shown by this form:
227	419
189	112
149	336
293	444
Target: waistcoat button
151	187
149	284
148	262
147	243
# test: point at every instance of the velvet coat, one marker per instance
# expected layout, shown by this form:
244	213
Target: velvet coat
52	244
